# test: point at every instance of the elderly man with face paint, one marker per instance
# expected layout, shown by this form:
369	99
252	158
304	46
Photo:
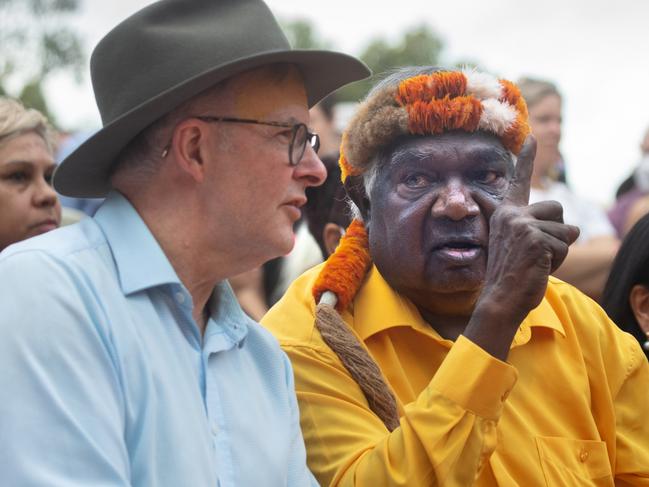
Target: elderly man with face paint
125	359
433	347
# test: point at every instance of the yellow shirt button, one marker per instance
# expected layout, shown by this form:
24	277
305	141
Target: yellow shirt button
583	456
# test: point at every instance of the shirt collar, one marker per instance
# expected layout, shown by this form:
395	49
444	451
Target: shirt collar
395	310
140	262
544	315
227	315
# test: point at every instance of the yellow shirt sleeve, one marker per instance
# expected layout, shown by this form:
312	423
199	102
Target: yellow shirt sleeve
445	436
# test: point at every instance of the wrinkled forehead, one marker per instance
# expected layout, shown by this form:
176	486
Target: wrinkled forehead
270	91
468	149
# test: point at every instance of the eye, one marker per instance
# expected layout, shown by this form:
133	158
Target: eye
285	134
416	181
487	177
18	177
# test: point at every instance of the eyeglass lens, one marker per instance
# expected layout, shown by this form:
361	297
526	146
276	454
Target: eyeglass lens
300	138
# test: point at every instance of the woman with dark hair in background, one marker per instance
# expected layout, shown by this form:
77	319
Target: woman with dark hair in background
626	294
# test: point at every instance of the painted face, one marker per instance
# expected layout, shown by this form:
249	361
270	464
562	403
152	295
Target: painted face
429	215
259	194
28	201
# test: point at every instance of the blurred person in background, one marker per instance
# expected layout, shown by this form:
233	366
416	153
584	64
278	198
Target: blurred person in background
632	196
626	294
323	122
28	204
83	206
589	259
327	209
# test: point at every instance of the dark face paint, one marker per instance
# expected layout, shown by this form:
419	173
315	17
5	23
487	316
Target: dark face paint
430	210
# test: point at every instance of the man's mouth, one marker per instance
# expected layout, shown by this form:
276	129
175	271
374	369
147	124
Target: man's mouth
460	251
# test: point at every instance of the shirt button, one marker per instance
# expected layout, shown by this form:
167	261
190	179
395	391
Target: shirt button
180	297
583	456
215	429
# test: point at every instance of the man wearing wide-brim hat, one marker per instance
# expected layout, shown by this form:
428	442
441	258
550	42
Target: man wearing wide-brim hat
124	356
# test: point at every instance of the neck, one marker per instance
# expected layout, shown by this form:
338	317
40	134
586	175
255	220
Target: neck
546	160
448	326
451	317
182	239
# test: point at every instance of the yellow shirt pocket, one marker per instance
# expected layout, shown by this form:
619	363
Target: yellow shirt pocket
567	462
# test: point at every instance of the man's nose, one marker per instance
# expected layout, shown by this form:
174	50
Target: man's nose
311	169
455	202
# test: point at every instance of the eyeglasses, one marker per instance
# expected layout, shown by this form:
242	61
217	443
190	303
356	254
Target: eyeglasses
300	135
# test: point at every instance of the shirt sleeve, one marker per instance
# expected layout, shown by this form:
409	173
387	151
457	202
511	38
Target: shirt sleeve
445	436
61	413
299	474
631	405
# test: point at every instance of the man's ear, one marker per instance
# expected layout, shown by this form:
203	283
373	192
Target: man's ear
356	191
639	301
331	234
188	147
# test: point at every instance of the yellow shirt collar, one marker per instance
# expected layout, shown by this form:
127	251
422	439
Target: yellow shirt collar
378	307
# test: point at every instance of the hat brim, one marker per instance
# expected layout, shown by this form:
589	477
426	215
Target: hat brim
85	172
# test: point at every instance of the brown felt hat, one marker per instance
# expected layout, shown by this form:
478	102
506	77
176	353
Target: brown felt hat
171	51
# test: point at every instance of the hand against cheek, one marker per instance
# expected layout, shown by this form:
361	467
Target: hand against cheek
526	244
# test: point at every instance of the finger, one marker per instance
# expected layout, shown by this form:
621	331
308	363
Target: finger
553	254
560	231
559	253
546	210
518	192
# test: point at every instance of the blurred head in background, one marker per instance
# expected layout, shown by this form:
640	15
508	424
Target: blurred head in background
544	106
626	294
28	201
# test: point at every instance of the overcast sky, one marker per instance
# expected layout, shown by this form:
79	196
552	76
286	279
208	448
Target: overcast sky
597	51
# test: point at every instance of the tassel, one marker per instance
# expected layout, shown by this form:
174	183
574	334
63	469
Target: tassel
357	361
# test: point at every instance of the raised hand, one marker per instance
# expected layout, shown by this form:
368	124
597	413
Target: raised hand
526	244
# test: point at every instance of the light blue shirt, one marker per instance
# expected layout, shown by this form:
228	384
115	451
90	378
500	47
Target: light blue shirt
106	380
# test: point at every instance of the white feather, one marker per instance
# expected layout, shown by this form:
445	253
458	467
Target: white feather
496	116
482	85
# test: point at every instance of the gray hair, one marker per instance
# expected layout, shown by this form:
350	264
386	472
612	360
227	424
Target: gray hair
16	120
534	90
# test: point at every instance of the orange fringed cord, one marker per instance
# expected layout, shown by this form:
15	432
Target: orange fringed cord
345	269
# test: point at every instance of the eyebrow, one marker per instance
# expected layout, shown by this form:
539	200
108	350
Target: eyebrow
486	155
20	162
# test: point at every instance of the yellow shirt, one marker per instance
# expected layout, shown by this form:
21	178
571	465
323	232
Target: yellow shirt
570	408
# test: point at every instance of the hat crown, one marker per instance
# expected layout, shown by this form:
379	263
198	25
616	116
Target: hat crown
172	41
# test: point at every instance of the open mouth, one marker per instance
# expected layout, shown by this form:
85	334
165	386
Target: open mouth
458	245
458	250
